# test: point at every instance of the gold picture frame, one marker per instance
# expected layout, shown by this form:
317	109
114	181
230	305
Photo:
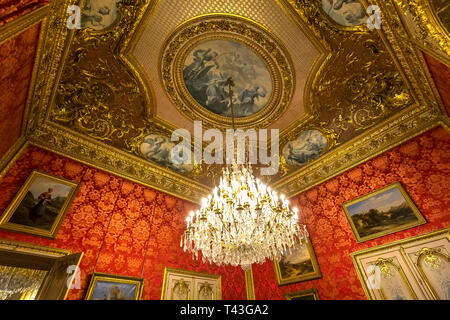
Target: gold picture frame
125	288
35	210
310	294
310	265
405	211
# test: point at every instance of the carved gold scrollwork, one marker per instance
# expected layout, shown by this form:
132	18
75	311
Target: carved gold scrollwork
388	269
432	21
205	291
384	265
98	95
181	288
430	257
370	90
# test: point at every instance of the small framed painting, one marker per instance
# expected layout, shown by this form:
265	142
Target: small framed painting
310	294
382	212
113	287
40	205
299	265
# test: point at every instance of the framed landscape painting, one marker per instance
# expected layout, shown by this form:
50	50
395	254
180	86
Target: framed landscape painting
382	212
113	287
40	205
310	294
299	265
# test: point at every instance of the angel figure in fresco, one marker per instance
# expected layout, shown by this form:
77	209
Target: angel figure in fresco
217	99
239	67
38	210
345	12
200	67
247	100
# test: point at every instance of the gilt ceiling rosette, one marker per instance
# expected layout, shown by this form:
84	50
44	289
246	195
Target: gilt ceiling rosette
339	92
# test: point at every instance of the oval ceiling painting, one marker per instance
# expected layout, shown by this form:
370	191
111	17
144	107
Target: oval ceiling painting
348	13
211	63
158	148
308	145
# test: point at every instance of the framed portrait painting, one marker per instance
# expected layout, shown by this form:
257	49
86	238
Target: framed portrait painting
382	212
40	205
310	294
113	287
299	265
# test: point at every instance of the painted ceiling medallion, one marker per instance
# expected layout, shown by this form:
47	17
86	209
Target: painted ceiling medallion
348	13
203	53
307	146
99	14
158	148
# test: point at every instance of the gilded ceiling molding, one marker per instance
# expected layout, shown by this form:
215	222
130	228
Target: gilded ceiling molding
50	58
423	112
345	103
114	161
432	27
342	101
56	39
376	141
410	59
93	103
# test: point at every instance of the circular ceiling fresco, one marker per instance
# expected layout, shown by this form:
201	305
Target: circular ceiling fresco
201	56
208	66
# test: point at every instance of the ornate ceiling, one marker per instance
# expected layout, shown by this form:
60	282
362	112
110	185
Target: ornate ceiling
338	91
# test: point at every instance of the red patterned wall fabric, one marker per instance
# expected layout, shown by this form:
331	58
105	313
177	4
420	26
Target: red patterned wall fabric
423	167
12	9
122	227
16	64
441	76
128	229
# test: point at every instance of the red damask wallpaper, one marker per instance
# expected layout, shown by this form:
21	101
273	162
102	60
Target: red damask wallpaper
441	76
12	9
122	227
16	64
423	167
128	229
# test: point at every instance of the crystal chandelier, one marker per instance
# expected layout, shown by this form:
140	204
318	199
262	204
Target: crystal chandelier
242	222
